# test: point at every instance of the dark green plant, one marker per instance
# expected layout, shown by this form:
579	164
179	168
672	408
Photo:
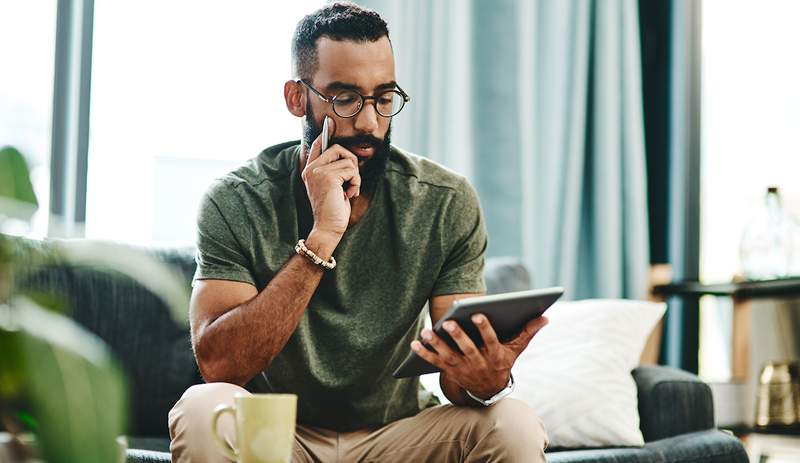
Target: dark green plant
56	378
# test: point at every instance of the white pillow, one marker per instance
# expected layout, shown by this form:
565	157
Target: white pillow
576	373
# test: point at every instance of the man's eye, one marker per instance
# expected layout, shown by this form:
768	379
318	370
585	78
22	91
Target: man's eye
345	99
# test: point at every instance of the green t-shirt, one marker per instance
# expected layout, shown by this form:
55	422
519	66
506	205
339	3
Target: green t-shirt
423	235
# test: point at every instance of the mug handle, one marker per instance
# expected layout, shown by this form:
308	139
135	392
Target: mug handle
223	445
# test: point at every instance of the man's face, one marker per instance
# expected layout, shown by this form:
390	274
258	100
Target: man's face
365	67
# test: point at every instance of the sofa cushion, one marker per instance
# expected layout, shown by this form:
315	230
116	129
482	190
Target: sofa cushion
710	446
576	373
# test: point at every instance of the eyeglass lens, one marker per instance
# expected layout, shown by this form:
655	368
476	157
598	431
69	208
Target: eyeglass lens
348	103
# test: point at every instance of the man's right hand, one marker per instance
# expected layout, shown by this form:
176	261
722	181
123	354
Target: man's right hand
324	175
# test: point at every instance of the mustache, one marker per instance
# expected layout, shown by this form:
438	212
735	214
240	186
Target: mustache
356	140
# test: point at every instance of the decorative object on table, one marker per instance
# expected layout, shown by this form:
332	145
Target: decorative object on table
778	402
770	244
58	380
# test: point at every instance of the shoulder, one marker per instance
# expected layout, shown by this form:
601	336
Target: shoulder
419	172
274	165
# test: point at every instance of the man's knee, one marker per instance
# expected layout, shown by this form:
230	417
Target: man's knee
513	426
190	421
202	399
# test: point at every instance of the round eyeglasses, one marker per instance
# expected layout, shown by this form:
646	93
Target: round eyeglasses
348	103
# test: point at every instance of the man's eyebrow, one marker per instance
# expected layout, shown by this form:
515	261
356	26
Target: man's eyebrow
338	85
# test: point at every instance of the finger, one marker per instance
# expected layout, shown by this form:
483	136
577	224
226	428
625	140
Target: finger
463	342
353	188
346	175
530	330
344	169
333	154
335	165
488	334
345	153
443	350
427	355
316	145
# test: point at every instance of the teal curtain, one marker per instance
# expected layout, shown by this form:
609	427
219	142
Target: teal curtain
539	104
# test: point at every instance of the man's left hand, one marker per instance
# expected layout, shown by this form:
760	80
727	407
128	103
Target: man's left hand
482	371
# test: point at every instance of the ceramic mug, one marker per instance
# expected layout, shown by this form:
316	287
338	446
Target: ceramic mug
265	425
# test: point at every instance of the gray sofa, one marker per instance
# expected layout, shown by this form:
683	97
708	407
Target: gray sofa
675	407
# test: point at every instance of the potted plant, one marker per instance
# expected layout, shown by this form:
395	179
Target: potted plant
60	383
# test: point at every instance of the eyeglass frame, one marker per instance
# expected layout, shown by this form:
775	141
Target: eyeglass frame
364	98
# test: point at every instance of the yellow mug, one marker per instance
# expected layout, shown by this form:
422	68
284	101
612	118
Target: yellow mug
265	426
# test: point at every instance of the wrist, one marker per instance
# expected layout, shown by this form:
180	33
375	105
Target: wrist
495	388
323	243
498	396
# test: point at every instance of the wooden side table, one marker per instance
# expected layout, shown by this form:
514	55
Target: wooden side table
769	447
743	294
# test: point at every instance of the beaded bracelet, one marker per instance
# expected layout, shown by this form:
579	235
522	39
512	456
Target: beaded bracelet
301	249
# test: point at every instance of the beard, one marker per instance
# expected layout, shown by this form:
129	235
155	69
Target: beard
373	169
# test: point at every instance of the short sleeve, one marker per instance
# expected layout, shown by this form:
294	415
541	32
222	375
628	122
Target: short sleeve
462	271
220	253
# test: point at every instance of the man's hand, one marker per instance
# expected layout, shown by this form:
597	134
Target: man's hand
485	371
324	175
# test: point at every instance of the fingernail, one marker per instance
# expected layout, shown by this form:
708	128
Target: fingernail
426	335
450	326
477	319
415	346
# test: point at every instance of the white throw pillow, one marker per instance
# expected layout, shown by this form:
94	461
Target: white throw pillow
576	373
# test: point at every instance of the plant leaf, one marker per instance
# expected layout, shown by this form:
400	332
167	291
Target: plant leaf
17	198
74	386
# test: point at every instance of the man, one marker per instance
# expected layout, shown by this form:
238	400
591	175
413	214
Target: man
314	267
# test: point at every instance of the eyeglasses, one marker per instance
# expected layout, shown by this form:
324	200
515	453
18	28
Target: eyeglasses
348	103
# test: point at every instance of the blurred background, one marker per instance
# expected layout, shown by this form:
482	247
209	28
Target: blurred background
614	144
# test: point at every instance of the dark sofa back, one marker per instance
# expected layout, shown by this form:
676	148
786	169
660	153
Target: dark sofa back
153	350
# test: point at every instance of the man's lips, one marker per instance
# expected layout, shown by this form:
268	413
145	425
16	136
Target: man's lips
362	151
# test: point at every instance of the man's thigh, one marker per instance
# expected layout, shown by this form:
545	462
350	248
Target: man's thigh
506	431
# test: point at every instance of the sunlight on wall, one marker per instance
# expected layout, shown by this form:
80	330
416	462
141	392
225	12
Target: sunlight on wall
750	128
195	86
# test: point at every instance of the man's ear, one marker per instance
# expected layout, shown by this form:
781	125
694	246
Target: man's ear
295	97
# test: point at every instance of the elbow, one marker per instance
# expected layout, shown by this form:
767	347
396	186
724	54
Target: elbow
215	367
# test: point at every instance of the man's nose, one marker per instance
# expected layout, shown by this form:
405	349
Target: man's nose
367	120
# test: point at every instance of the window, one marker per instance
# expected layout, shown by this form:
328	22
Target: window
182	92
750	127
27	32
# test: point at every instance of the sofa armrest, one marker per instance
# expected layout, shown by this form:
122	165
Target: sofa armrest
672	402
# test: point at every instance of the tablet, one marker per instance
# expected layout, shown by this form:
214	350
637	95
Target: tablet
508	314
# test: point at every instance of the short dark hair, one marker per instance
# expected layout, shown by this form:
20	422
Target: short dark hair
337	21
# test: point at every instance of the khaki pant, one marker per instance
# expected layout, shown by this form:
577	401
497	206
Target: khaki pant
508	431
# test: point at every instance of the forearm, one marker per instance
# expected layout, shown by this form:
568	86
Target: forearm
244	341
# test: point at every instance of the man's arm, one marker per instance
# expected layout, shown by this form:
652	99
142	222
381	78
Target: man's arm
237	332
